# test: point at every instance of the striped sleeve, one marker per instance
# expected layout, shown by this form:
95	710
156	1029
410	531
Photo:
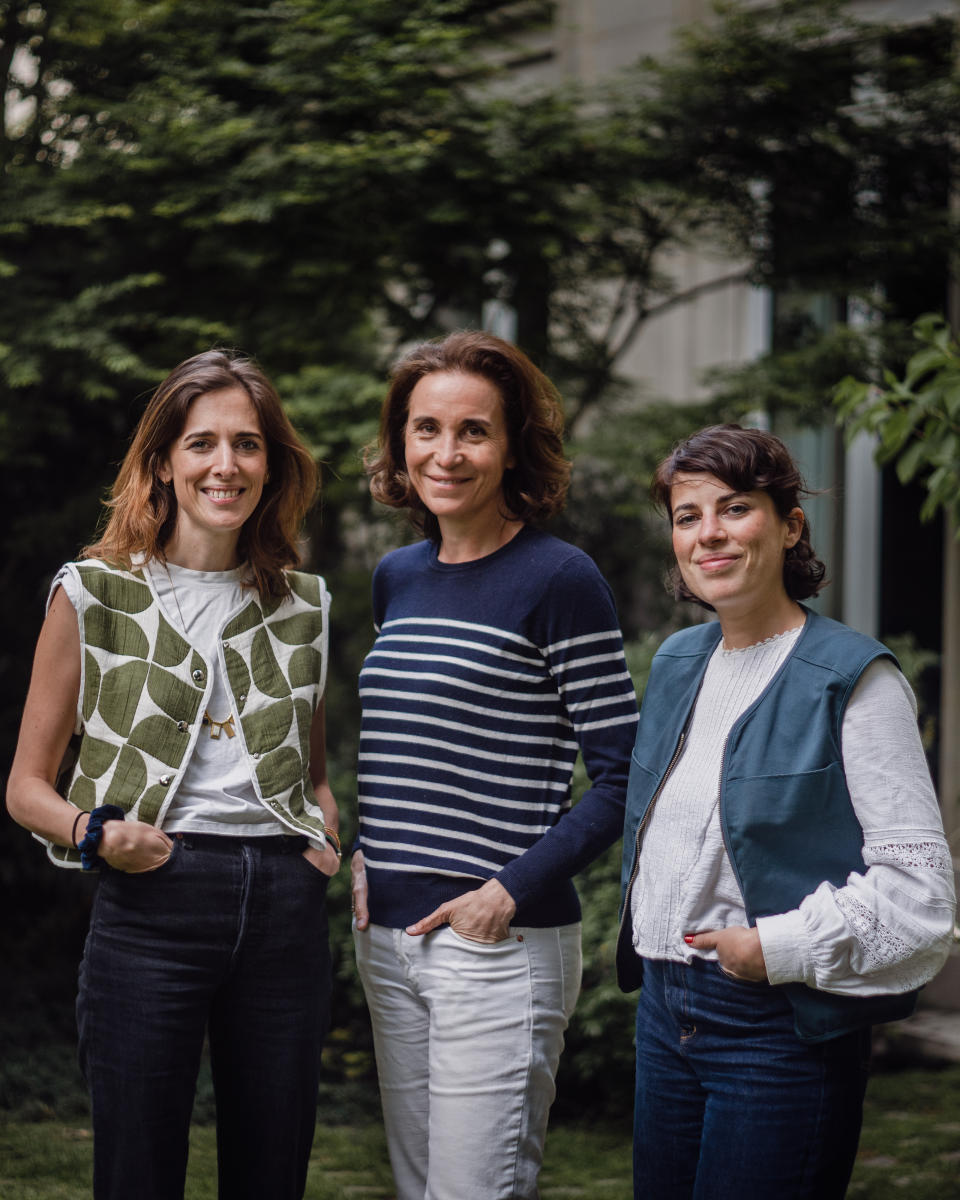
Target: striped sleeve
583	648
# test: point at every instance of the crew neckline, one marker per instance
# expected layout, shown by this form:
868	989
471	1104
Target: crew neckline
474	563
776	637
204	578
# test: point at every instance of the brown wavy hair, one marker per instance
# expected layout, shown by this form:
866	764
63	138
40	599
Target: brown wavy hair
746	460
142	510
535	488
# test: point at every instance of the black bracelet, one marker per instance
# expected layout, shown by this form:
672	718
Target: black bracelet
90	845
73	831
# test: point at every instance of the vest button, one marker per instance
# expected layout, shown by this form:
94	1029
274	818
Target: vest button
243	697
198	676
226	645
166	780
182	727
255	756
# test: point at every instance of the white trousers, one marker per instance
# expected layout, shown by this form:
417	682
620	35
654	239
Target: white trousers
468	1038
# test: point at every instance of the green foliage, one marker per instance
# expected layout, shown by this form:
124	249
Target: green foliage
816	142
798	381
908	1147
916	417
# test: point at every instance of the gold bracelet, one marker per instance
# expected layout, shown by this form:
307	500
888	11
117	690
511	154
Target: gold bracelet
334	839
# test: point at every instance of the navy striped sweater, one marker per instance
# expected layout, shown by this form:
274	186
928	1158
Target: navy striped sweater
484	681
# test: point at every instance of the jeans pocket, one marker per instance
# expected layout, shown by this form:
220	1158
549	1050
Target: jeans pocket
474	944
163	868
125	895
314	872
739	979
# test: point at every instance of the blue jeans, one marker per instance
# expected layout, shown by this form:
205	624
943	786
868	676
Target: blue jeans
730	1103
228	937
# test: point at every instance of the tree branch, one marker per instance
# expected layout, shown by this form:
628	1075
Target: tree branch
695	292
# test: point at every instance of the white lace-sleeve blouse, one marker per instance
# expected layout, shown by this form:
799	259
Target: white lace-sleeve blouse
889	928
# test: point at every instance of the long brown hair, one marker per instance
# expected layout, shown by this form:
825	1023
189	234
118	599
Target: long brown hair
143	510
536	487
747	460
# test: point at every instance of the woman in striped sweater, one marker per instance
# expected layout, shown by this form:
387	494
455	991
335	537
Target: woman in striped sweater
498	657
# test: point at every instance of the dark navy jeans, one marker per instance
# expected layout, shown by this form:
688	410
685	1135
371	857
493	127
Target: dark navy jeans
730	1103
229	938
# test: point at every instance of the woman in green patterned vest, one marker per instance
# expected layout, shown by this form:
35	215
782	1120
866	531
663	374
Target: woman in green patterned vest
182	662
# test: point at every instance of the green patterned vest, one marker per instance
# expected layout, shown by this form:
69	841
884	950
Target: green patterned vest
144	689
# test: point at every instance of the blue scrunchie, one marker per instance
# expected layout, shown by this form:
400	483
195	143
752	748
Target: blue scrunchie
89	845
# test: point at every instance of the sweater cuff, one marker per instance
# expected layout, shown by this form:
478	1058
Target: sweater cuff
783	939
507	878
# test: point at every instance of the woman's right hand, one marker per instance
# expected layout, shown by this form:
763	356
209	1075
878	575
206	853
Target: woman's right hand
358	889
134	846
739	950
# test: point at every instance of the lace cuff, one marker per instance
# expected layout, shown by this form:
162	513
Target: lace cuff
928	855
881	949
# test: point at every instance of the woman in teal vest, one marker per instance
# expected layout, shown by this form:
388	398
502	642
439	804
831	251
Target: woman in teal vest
184	660
786	878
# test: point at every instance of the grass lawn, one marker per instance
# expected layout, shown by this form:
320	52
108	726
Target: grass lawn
910	1148
49	1161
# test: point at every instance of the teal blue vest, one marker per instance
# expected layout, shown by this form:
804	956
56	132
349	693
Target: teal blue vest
785	811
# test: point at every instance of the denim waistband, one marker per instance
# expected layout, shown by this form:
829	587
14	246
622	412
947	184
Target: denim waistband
274	843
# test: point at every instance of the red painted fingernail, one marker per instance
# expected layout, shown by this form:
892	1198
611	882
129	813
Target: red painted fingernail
688	938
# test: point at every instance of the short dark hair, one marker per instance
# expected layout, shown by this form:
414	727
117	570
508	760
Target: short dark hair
535	488
747	460
142	510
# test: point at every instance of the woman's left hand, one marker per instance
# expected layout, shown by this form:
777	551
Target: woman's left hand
738	950
480	916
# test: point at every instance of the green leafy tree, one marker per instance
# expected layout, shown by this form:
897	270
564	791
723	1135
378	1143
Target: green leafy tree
915	416
819	141
818	148
181	174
